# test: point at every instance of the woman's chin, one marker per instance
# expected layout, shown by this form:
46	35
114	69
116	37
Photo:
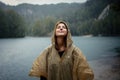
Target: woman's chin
61	35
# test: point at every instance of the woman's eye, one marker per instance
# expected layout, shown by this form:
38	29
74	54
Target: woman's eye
64	27
58	27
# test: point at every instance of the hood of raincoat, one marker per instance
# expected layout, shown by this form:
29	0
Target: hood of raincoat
68	36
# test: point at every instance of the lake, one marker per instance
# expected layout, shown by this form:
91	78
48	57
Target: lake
18	54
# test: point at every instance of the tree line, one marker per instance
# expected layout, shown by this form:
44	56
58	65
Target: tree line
83	20
11	24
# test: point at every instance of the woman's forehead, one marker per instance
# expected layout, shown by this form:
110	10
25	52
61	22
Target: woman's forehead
62	24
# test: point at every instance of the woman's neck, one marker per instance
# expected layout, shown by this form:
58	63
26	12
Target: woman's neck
60	43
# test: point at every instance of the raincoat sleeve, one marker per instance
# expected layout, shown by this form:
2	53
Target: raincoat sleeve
81	69
39	67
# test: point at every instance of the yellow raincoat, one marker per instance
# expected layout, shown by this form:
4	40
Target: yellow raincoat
71	66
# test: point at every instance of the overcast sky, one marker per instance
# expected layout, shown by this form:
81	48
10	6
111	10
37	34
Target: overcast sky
16	2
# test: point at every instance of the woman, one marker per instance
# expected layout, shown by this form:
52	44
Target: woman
61	60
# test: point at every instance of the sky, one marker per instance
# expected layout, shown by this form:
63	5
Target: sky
40	2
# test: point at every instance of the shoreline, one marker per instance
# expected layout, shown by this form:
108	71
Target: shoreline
106	69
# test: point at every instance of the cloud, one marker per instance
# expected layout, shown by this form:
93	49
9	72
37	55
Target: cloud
10	2
48	1
15	2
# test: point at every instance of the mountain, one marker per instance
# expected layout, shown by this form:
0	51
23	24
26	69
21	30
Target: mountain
83	18
104	13
3	6
35	12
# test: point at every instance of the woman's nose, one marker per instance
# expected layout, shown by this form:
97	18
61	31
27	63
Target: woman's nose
61	28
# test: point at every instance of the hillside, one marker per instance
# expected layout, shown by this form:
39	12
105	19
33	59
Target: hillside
82	18
30	11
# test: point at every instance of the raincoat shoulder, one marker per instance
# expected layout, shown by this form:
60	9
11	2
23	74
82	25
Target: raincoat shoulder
81	69
39	67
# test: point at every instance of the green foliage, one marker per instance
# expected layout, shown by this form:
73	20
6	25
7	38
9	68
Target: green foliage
43	27
83	19
40	19
11	24
85	22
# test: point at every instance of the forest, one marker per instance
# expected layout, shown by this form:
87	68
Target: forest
11	24
94	17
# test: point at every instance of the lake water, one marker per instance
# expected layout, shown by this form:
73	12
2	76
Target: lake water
17	55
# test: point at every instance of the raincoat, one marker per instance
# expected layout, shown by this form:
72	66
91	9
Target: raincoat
72	65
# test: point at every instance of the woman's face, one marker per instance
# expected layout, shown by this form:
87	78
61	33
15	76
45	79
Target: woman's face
61	30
